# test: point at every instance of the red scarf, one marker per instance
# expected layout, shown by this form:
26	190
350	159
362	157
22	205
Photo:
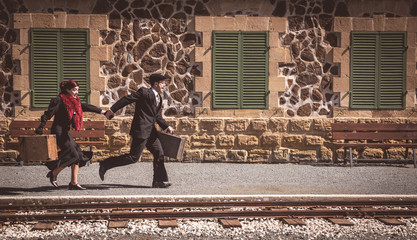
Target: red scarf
75	112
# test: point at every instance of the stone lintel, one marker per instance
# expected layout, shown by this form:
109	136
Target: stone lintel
78	21
98	22
203	24
362	24
278	24
342	24
241	22
258	24
22	20
224	23
60	19
43	20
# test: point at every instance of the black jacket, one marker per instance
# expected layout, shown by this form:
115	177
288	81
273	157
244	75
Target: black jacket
146	112
61	122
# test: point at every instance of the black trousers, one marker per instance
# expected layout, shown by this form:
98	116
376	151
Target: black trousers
136	148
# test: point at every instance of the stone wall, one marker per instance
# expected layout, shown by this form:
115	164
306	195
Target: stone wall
255	140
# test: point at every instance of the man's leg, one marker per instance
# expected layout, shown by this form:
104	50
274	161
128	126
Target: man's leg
136	149
159	172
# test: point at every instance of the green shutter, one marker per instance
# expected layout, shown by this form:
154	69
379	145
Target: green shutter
58	55
392	70
226	91
363	73
44	66
378	68
75	59
255	69
240	70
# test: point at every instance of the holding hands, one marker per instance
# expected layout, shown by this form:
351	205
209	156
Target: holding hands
109	114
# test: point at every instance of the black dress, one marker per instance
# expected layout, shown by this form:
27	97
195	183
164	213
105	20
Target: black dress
70	153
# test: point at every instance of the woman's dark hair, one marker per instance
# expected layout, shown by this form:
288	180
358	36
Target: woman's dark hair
70	84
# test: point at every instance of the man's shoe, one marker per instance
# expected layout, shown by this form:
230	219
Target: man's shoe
101	171
160	185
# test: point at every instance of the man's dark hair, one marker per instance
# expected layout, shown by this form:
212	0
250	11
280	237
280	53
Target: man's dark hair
156	78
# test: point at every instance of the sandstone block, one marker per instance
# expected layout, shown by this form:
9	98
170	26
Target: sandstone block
211	125
304	156
42	20
300	125
341	84
241	22
278	124
277	84
193	156
78	21
412	24
118	141
223	23
60	19
95	98
246	141
237	155
98	83
293	141
257	24
225	141
98	53
270	140
21	82
396	24
362	24
342	24
8	156
233	125
203	24
22	20
203	141
313	140
280	155
259	125
277	24
20	52
373	153
258	155
379	22
277	54
98	22
95	37
326	154
187	125
202	54
214	155
202	84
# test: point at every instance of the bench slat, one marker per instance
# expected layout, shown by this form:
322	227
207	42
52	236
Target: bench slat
375	145
82	133
373	127
35	124
375	136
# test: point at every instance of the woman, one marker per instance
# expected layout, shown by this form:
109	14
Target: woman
68	111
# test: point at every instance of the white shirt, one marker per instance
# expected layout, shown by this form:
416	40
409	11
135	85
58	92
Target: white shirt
156	96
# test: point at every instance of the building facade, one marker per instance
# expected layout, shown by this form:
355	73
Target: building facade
250	81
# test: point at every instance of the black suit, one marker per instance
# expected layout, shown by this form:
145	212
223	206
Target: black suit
143	132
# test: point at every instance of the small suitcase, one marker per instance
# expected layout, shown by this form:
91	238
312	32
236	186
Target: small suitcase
37	148
173	146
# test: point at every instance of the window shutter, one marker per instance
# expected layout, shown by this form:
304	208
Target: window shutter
363	70
44	66
226	91
76	59
392	70
255	69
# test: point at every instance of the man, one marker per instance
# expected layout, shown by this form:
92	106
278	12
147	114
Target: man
143	132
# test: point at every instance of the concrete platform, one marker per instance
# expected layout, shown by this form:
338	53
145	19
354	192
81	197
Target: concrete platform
212	181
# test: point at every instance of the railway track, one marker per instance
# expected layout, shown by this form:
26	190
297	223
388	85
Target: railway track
228	212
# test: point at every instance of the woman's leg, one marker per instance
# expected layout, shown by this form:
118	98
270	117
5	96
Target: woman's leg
56	171
74	174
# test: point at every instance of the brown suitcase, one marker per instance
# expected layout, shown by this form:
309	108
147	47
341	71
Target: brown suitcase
173	145
38	148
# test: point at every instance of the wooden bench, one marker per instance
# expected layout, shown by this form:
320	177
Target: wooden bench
92	132
375	135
